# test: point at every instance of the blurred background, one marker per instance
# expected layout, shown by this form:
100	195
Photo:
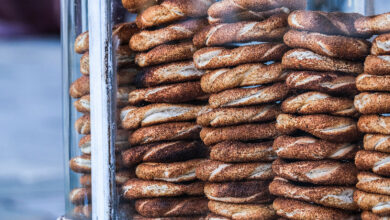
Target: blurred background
31	158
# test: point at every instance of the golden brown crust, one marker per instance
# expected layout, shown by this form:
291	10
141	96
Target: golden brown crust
242	211
173	93
238	192
372	183
366	82
323	172
220	117
81	164
82	211
212	216
302	59
294	209
121	177
165	132
381	45
84	63
309	148
169	73
242	75
170	172
376	203
172	10
328	45
134	117
377	65
140	217
249	96
170	207
121	142
376	24
235	151
377	142
218	57
328	196
80	196
327	82
79	87
372	103
367	215
82	104
376	162
245	132
136	188
317	103
332	23
330	128
271	29
81	44
215	171
163	152
374	124
138	5
83	124
166	53
146	39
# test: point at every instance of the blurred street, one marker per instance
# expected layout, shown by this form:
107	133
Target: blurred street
31	158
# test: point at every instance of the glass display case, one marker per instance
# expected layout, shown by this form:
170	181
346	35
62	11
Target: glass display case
230	109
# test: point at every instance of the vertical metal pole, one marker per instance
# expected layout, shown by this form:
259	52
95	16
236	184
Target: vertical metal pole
102	115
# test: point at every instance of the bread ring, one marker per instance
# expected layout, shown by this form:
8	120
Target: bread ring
215	171
165	132
172	10
169	73
163	152
372	103
376	162
173	93
332	23
376	24
136	188
376	203
373	183
235	151
328	45
301	59
84	63
367	215
134	6
80	196
81	164
242	211
328	196
83	104
330	128
238	192
170	172
134	117
82	211
212	216
249	96
83	124
121	177
79	87
233	116
245	132
166	53
323	172
271	29
381	45
140	217
365	82
327	82
374	124
377	65
294	209
317	103
169	207
309	148
218	57
121	142
243	75
377	142
146	39
219	13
